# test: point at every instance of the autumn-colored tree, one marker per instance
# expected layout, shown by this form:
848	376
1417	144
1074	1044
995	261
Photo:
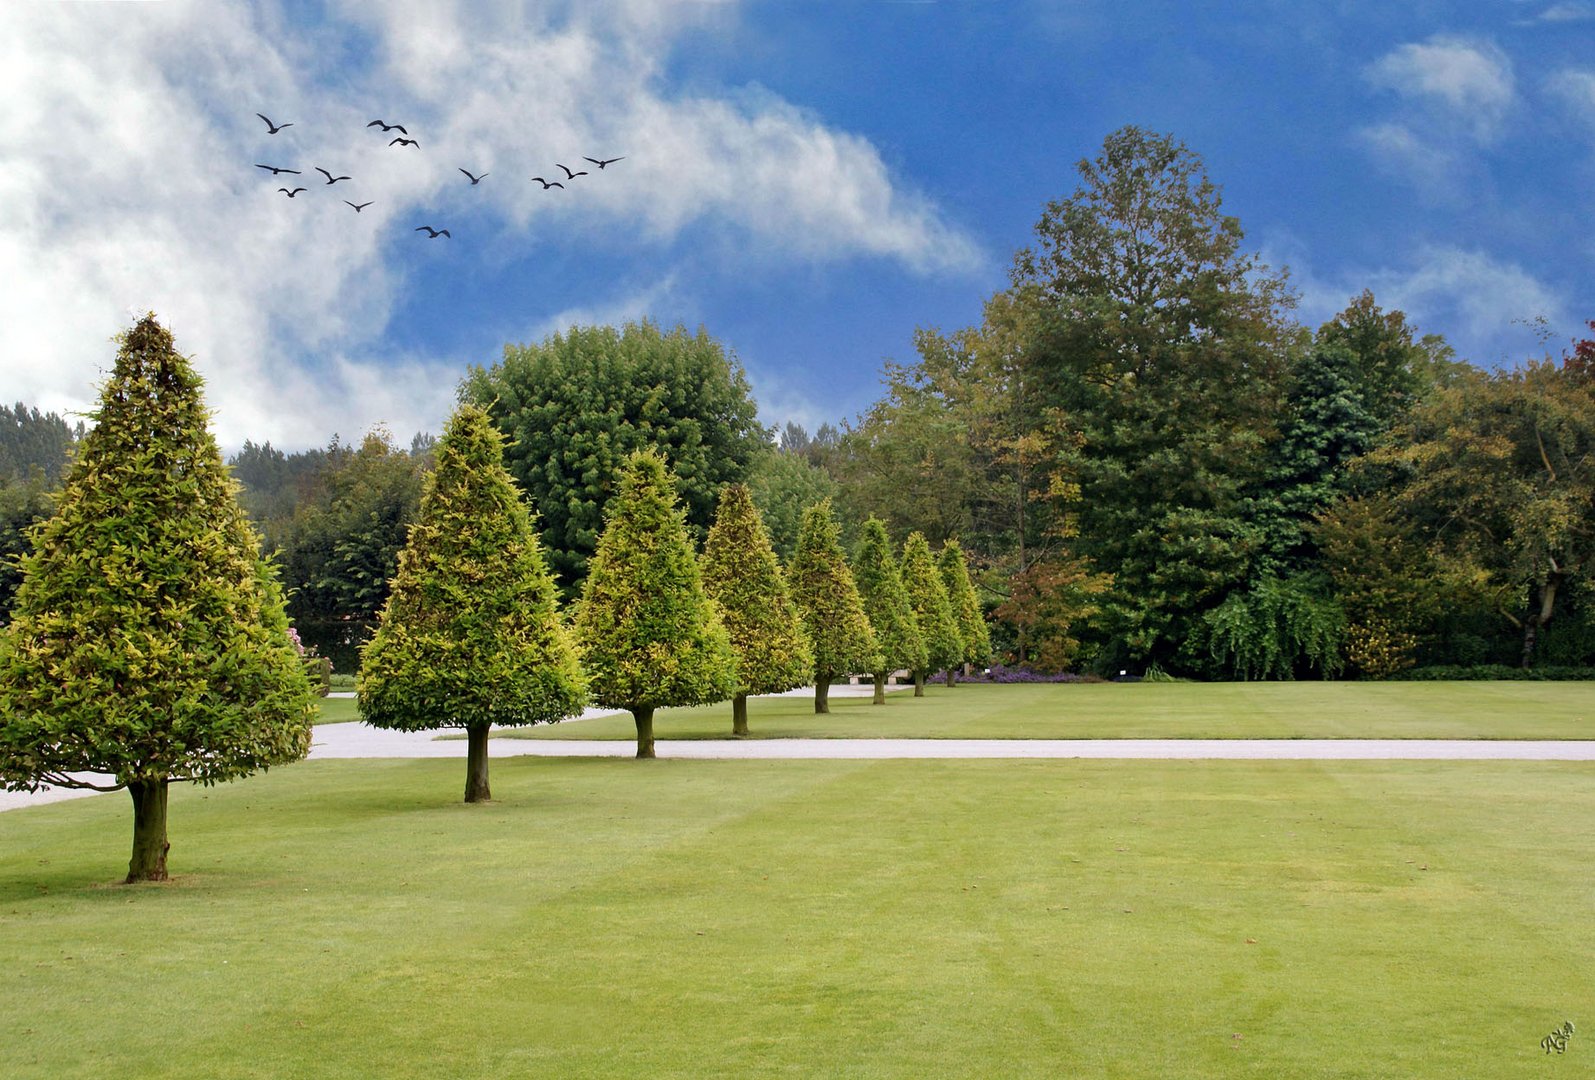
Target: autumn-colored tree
470	635
827	598
650	635
880	586
927	595
148	638
742	575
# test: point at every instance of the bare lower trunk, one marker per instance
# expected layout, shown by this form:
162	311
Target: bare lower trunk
739	715
149	831
952	674
1532	626
880	688
476	789
645	731
822	695
919	684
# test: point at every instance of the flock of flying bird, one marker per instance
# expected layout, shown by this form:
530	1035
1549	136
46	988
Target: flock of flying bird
403	139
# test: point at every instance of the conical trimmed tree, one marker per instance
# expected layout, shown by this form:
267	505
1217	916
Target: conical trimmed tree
650	636
742	575
470	635
972	629
148	639
827	598
880	585
928	597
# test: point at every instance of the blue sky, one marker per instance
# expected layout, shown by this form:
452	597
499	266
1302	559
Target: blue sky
810	180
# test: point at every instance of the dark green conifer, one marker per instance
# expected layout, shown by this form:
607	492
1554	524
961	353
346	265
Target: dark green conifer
880	585
470	635
827	598
928	597
742	575
650	636
148	638
972	630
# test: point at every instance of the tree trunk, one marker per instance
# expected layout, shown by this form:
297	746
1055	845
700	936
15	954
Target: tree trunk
645	731
822	695
1532	626
880	688
919	684
952	674
476	789
739	715
149	831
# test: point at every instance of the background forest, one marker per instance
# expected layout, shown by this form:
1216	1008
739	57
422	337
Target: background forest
1151	466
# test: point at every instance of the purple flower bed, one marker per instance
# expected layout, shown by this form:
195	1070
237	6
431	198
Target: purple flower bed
999	673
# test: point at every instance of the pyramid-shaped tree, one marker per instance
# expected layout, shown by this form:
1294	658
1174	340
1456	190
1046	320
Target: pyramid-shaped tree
827	598
742	575
650	635
880	585
470	635
148	639
972	630
927	595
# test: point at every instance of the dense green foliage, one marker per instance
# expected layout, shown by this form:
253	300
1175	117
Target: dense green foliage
742	576
784	484
898	639
650	636
927	595
470	635
972	629
828	601
576	405
148	637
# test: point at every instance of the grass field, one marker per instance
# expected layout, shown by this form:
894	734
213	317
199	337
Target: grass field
861	919
1316	710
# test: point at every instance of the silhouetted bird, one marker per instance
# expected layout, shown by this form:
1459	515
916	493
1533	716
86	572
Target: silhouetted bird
357	206
606	161
548	183
387	127
406	142
292	193
474	179
571	175
272	129
275	170
433	234
330	178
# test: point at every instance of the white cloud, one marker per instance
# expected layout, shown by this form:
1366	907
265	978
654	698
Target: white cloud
1577	89
1564	13
1431	168
1468	82
127	152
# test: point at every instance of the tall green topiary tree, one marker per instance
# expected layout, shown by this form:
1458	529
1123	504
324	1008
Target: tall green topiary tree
972	630
827	598
148	638
470	635
928	597
742	575
880	585
650	635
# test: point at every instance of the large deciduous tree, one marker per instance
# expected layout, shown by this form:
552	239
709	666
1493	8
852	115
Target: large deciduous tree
742	575
574	406
470	635
827	598
650	635
927	595
148	638
880	585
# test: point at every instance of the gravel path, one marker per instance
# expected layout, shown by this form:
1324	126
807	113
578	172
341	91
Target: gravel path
355	740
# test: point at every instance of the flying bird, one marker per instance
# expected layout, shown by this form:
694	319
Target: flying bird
387	127
406	142
474	179
330	178
602	163
272	129
571	175
548	183
431	233
357	206
275	170
292	193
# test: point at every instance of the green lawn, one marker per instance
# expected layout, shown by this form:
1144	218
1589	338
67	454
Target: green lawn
1304	710
863	919
338	710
